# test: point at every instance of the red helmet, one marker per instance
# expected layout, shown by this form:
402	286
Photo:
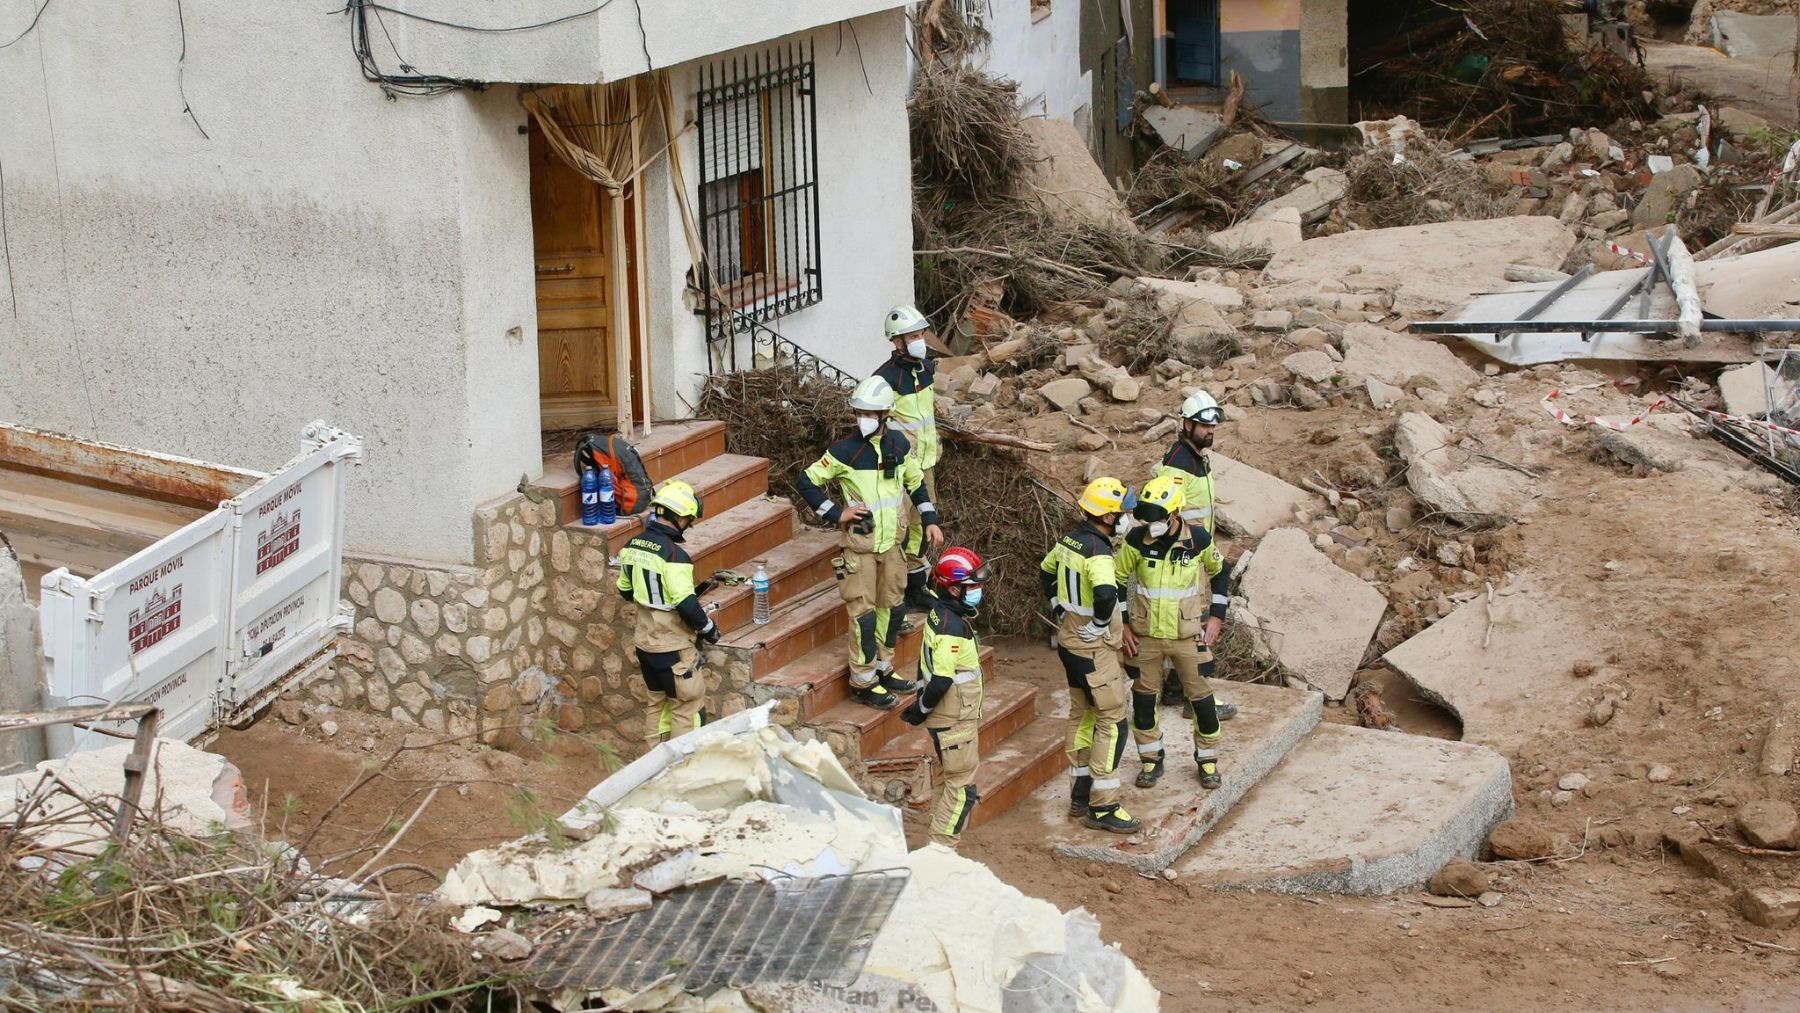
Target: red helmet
959	566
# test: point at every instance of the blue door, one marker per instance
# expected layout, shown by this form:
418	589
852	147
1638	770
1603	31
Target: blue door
1194	41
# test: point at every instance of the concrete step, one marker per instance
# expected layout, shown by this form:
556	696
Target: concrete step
795	567
746	531
806	622
821	678
723	482
873	729
1178	812
1019	766
1357	811
672	448
1009	706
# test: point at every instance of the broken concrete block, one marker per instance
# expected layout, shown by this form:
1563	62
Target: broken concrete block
1064	393
1222	297
984	388
1162	431
1123	388
505	944
1091	441
1663	196
607	903
1006	351
1743	388
958	378
1279	231
1769	823
1311	366
1272	320
1660	441
1430	268
1372	351
1188	129
1740	122
1249	502
1323	188
1770	907
1325	616
1382	393
1468	494
1063	176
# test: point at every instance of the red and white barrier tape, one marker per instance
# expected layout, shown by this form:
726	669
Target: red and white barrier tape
1642	258
1568	419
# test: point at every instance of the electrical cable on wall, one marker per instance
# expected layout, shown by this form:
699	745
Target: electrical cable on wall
29	27
409	81
181	73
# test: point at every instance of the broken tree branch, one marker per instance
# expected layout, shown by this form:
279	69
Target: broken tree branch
996	439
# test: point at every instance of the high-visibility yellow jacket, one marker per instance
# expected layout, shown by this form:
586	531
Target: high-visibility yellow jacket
875	471
1167	598
1077	577
1191	468
950	663
915	405
656	574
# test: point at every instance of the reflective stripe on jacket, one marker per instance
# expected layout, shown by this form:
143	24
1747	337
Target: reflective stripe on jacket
1075	568
915	404
656	574
877	472
950	664
1168	599
1190	468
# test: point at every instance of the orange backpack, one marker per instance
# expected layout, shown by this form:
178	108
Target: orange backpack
632	487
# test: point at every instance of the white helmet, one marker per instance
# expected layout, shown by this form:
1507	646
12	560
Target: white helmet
1200	407
872	395
905	319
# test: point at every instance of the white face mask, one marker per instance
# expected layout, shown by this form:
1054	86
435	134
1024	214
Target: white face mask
867	425
1121	525
972	596
915	347
1159	528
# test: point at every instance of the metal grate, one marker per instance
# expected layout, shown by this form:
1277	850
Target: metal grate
759	193
734	933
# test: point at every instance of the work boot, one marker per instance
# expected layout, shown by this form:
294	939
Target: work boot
1209	769
1113	819
917	597
1078	796
894	684
1225	711
876	696
1152	773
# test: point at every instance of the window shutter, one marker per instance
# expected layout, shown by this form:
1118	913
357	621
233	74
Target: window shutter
734	137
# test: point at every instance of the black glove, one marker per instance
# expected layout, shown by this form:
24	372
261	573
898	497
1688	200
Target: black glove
915	712
712	633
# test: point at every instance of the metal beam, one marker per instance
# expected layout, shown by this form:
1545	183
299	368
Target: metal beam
1597	326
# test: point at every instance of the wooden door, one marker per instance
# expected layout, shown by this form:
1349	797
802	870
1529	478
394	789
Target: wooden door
572	228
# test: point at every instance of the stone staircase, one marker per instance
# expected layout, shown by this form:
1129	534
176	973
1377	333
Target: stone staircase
799	657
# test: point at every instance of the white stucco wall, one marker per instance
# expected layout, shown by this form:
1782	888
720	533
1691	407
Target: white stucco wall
326	254
1044	56
608	45
864	208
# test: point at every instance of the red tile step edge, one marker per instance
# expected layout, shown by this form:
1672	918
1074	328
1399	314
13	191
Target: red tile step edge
799	626
876	728
821	678
746	531
795	567
1009	707
1024	762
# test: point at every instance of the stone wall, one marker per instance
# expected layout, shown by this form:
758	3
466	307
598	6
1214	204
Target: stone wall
532	633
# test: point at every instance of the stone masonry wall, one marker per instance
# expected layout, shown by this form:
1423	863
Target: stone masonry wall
534	632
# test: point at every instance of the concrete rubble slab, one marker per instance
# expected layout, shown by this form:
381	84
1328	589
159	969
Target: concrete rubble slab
1064	176
1187	129
1357	811
1321	617
1249	502
1429	268
1763	285
1754	36
1371	351
1177	813
1745	389
199	792
1323	188
1273	233
1505	668
1173	294
1449	480
1678	443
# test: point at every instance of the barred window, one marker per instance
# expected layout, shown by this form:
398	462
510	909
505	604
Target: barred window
759	193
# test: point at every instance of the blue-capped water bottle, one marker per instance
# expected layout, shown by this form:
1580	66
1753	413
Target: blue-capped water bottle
590	497
609	510
759	590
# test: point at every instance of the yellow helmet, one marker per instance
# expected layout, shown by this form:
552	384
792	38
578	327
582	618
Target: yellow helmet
1103	496
678	499
1158	499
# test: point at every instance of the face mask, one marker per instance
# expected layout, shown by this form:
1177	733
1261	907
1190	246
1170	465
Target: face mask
1120	525
972	596
915	347
1159	528
867	425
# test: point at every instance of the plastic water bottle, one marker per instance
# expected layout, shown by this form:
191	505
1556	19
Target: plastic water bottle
759	589
590	497
609	510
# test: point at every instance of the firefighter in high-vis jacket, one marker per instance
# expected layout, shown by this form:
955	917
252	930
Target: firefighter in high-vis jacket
874	475
1078	578
912	376
656	574
1173	615
1186	462
949	702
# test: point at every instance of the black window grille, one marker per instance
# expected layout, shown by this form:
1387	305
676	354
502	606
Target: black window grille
759	190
